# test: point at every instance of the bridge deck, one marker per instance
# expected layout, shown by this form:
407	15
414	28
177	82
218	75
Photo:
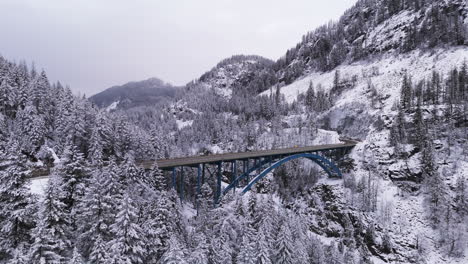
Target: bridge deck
195	160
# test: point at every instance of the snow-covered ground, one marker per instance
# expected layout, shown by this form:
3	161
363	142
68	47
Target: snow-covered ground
112	106
38	185
181	124
385	73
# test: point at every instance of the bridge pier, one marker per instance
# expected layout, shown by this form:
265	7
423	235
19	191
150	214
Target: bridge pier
248	176
199	168
218	183
182	183
174	175
235	173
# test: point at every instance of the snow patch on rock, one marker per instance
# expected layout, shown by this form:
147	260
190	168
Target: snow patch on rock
112	106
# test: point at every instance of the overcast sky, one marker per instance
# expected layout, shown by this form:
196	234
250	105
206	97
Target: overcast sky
94	44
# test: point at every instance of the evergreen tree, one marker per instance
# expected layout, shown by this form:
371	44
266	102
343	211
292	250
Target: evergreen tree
128	241
156	179
461	198
199	255
175	253
73	173
284	246
45	247
19	256
263	251
55	218
97	212
406	93
220	250
247	252
158	221
16	204
76	258
96	150
99	251
30	128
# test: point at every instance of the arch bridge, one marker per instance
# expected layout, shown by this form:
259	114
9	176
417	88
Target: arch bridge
247	168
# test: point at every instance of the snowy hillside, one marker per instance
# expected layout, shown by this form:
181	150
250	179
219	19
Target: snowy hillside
235	73
384	72
376	89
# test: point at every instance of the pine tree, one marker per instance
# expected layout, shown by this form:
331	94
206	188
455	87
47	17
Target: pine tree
45	247
55	217
96	149
99	251
461	199
421	133
406	93
19	256
39	92
158	223
263	251
128	240
175	253
220	250
30	128
96	213
76	258
310	95
73	174
16	204
284	247
247	252
199	254
130	174
155	179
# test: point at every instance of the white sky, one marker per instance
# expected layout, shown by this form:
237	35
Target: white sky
94	44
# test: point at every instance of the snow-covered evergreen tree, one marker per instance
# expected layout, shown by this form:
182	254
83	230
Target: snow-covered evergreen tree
284	246
128	238
16	203
45	247
175	253
247	252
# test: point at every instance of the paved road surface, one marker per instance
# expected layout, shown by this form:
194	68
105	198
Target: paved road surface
195	160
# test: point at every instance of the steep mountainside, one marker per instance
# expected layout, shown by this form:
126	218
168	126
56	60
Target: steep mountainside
375	26
239	74
143	93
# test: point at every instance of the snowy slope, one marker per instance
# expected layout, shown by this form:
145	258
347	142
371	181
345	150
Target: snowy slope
409	224
385	73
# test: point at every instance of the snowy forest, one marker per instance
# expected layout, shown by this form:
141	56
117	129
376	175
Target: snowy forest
390	74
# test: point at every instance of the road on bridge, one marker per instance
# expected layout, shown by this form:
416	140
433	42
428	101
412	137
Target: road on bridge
166	164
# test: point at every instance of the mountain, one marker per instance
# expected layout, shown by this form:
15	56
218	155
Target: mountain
142	93
391	74
249	74
373	27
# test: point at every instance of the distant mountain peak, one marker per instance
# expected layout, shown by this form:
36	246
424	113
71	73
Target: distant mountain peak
137	93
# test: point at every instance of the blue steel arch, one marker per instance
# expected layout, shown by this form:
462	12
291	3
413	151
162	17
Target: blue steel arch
235	182
325	164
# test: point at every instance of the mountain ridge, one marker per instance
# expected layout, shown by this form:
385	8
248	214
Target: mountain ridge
136	93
